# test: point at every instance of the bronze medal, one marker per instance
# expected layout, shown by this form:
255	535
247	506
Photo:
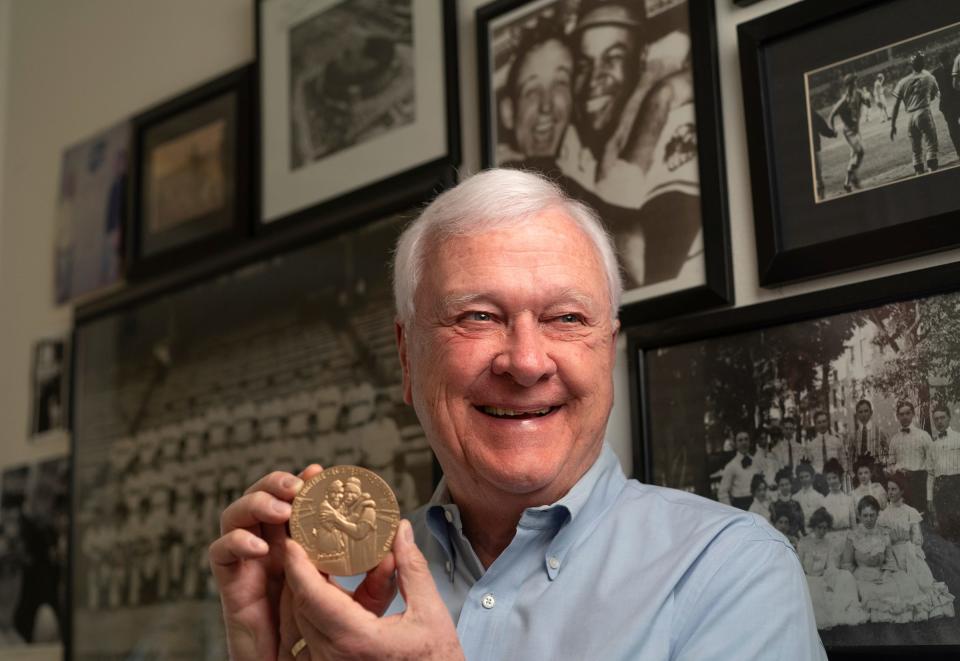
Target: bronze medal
345	518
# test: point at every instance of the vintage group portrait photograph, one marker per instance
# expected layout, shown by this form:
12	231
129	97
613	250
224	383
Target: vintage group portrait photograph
842	431
600	97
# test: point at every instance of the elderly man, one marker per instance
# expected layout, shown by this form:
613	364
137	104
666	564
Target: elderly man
535	545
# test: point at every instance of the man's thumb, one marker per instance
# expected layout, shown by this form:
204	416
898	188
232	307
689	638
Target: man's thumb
413	574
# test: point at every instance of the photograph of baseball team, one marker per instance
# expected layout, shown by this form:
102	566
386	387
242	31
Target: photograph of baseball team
885	115
841	432
297	366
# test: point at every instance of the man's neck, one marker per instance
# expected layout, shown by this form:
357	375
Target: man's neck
490	520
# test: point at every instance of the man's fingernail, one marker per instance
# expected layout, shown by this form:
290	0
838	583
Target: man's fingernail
407	531
281	507
292	483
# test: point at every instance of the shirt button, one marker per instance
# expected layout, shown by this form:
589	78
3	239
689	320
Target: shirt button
553	563
487	601
448	515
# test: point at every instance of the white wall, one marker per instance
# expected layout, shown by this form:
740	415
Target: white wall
68	69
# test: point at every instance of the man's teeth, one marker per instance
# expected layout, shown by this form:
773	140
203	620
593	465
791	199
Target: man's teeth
511	413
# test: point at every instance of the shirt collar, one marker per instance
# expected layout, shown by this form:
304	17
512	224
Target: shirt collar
571	517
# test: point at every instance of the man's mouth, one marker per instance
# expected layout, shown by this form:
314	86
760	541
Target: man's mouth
598	104
516	414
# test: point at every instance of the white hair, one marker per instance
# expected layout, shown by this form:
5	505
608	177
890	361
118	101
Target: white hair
489	200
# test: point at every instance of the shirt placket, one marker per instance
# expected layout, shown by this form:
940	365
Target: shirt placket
491	599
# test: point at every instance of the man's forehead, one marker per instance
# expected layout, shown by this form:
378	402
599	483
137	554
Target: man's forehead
461	297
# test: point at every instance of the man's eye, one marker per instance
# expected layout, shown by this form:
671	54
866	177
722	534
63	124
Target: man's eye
569	318
479	316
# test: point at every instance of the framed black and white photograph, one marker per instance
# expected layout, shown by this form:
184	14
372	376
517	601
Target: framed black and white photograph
351	95
49	386
91	215
191	175
619	101
178	411
34	511
835	416
871	177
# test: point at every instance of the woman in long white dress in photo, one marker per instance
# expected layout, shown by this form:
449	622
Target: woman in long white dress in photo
833	591
902	522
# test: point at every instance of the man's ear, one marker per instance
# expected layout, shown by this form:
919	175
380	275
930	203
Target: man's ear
404	360
506	112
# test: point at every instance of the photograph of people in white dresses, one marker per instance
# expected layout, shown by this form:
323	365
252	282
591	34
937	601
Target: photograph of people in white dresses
841	432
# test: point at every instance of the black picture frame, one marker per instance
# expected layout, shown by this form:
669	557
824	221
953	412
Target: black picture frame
716	289
339	208
896	218
645	341
330	275
214	119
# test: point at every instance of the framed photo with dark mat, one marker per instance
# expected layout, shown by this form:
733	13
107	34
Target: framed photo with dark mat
853	127
356	101
191	175
619	102
835	416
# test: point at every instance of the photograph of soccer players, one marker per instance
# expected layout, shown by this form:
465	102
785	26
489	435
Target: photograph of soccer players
895	110
841	432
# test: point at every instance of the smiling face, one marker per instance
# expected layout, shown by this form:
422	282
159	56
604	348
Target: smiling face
606	71
509	359
542	98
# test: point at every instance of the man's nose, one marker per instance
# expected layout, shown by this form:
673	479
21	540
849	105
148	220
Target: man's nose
525	356
546	102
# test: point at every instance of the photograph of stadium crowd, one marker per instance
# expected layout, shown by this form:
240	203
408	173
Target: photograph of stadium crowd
186	400
885	115
842	432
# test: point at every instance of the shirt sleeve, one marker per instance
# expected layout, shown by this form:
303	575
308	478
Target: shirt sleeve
898	90
726	483
754	604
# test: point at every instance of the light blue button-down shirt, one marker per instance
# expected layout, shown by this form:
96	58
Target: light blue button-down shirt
621	570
